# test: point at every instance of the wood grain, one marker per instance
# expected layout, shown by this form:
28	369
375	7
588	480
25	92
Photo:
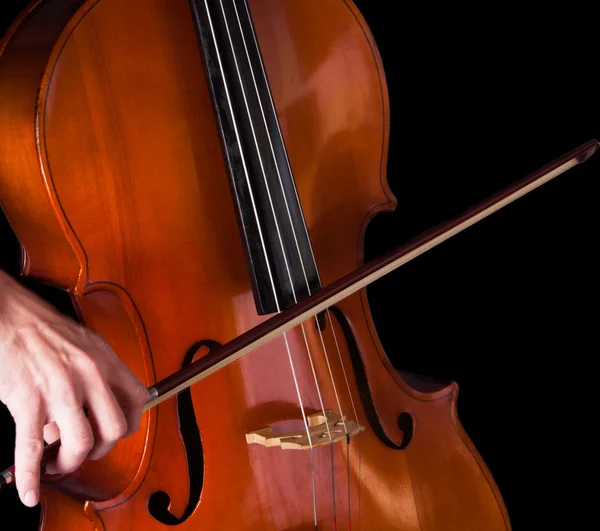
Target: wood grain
111	174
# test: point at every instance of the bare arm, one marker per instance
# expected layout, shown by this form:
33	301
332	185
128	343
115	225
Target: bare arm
50	368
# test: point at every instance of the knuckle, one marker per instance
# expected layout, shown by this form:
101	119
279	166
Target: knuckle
99	342
116	431
69	459
71	466
141	395
23	404
76	455
89	365
31	448
28	471
63	386
83	444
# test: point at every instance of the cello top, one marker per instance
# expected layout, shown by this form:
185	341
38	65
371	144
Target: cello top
390	235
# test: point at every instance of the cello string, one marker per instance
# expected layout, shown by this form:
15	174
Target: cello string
337	346
290	216
264	175
276	221
300	255
298	249
355	416
300	258
213	35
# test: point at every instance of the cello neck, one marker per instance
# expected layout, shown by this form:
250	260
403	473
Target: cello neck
277	247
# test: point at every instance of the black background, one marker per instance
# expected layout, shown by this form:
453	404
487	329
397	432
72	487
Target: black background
479	98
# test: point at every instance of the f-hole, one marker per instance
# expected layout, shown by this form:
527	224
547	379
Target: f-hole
405	420
160	502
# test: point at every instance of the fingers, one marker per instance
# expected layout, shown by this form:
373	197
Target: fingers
132	398
76	438
51	368
51	432
107	418
29	447
129	391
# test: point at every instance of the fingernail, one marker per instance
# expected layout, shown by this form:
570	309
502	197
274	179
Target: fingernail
31	498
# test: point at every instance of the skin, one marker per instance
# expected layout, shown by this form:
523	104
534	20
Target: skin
50	369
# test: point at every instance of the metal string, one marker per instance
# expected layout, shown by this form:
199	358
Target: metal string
263	171
291	225
355	416
308	350
264	248
290	218
260	158
298	248
264	174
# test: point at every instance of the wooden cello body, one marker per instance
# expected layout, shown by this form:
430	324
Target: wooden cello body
113	177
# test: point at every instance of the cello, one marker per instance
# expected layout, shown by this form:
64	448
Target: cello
233	163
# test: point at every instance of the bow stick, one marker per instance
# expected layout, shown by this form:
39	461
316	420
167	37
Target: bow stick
360	278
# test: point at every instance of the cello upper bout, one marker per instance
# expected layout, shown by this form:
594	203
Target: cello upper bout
330	92
388	199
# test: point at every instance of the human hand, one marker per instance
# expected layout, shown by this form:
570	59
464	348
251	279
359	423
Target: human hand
50	369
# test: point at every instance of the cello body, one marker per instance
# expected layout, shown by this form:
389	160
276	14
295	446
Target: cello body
113	178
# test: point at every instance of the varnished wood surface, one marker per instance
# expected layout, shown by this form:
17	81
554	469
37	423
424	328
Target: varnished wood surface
361	277
130	210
